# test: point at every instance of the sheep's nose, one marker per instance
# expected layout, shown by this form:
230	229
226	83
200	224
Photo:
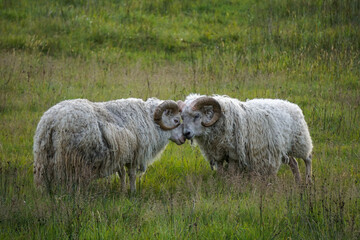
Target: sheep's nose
187	134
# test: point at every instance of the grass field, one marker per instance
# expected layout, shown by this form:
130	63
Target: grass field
305	51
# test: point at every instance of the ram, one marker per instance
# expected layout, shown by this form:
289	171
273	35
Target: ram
253	136
77	141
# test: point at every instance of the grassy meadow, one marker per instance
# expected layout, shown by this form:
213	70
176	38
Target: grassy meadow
305	51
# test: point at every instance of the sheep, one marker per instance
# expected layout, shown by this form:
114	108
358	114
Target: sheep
77	140
253	136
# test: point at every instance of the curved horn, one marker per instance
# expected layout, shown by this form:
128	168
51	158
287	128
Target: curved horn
206	101
168	104
181	105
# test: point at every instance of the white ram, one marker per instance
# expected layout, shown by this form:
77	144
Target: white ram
78	140
253	136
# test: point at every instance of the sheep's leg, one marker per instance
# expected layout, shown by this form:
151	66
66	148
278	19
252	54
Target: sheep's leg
132	179
295	169
122	175
308	171
220	168
232	168
212	164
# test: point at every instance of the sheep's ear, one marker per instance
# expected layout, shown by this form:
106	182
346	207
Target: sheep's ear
167	112
206	101
208	111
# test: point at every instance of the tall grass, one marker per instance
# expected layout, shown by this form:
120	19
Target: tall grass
303	51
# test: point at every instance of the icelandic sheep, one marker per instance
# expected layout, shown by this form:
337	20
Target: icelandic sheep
79	140
253	136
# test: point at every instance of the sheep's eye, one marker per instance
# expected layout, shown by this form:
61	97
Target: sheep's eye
197	116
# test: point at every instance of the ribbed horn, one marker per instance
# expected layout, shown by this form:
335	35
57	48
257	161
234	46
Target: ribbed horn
206	101
168	104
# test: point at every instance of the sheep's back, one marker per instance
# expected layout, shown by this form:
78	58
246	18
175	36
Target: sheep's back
289	119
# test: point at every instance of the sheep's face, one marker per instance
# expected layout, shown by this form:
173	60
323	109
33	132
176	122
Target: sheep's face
177	135
167	116
173	119
199	115
192	122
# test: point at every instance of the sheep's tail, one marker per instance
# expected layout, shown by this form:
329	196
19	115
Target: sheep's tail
44	152
56	164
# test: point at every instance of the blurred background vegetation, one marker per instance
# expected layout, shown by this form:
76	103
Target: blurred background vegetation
175	29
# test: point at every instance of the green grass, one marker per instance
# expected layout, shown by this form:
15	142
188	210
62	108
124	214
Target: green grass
307	52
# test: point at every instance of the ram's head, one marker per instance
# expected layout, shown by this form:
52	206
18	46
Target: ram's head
198	115
167	116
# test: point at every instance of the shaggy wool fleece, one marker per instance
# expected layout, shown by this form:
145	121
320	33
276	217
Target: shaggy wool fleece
258	135
78	140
